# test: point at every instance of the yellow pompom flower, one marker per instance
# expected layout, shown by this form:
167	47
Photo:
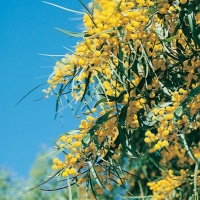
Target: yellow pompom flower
147	140
72	171
73	160
183	1
157	146
54	167
55	160
77	144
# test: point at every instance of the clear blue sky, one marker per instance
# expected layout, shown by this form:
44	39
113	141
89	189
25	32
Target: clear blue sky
26	29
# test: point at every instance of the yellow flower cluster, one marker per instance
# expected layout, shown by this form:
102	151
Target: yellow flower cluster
164	188
134	55
72	143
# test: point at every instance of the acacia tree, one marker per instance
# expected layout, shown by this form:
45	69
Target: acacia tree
136	77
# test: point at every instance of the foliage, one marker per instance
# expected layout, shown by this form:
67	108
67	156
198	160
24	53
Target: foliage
15	188
136	74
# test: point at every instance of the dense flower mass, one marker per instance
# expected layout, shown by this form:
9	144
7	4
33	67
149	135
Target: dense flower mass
137	68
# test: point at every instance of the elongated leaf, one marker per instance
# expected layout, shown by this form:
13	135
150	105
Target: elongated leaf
87	138
123	113
179	111
134	67
67	9
69	188
51	190
164	88
155	121
100	101
194	92
72	34
58	100
88	12
163	105
91	186
97	5
118	6
85	7
103	118
120	58
87	81
91	97
78	192
46	180
191	21
96	177
169	39
122	137
72	132
29	93
140	86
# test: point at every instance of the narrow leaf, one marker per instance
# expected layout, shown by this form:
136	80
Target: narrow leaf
72	34
67	9
122	136
100	101
46	180
95	175
86	85
97	5
122	116
28	93
69	188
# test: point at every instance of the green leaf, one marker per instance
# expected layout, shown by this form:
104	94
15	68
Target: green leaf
178	112
100	101
140	86
78	192
87	138
193	27
91	97
122	137
165	89
134	67
118	6
29	93
58	100
69	188
46	180
88	12
118	99
85	7
194	92
97	5
64	8
72	34
155	121
191	20
120	58
96	177
103	118
91	186
123	113
87	81
72	132
169	39
163	105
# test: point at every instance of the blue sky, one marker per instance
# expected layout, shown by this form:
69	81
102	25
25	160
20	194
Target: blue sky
27	28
